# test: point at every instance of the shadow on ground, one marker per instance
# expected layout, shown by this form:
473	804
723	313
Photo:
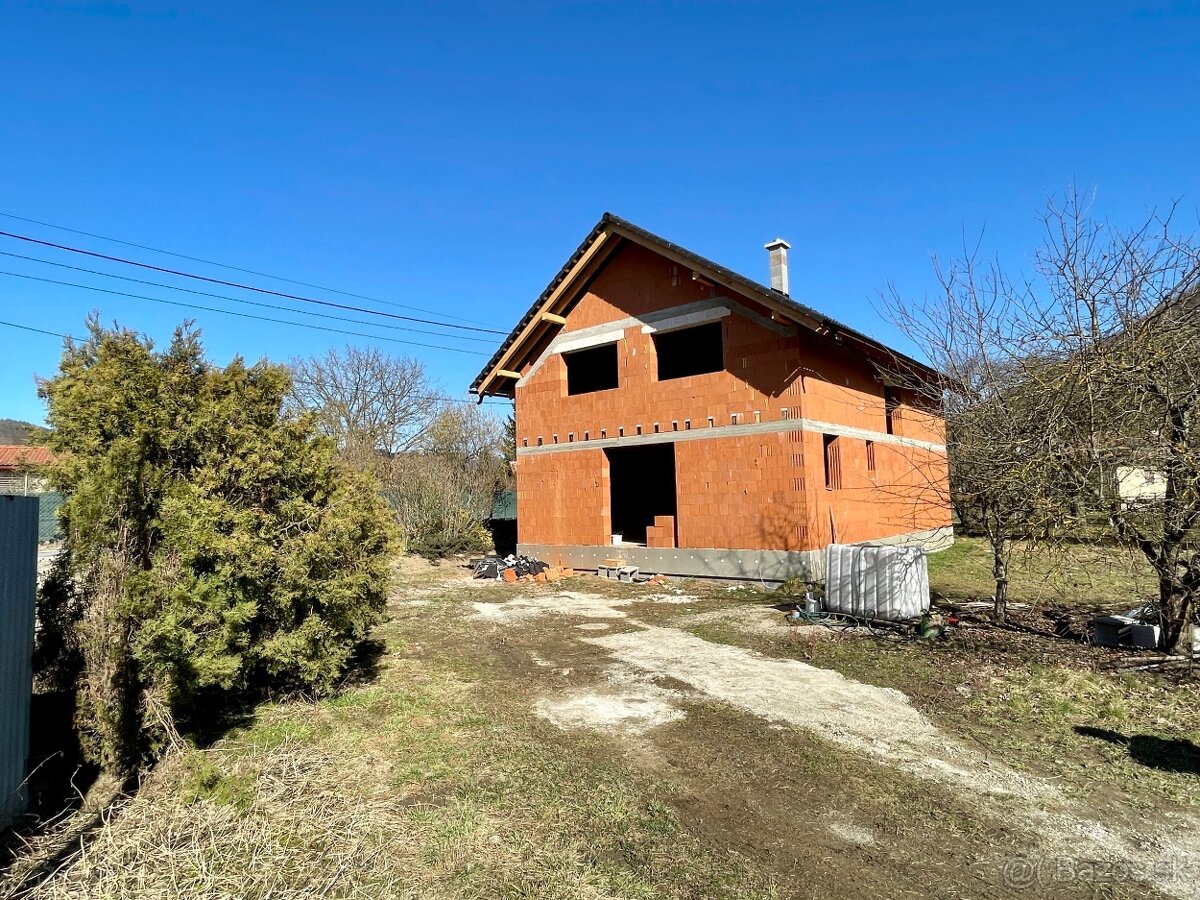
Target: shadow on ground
60	776
1167	754
364	663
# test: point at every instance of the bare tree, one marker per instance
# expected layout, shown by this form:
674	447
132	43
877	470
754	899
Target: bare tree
467	433
971	332
1118	365
443	491
438	464
1063	382
375	405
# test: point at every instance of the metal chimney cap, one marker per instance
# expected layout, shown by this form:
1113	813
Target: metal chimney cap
778	243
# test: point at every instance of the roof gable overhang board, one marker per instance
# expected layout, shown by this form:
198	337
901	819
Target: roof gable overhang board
547	316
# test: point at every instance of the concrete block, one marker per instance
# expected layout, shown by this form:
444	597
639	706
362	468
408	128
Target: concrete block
1144	636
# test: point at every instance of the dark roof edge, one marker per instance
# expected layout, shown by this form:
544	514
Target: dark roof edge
542	297
738	282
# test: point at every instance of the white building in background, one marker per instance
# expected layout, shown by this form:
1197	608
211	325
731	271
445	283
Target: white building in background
1137	486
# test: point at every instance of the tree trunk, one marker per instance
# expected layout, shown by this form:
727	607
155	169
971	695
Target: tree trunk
109	691
1175	607
1000	573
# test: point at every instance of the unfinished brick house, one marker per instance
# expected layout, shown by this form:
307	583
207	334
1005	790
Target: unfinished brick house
708	424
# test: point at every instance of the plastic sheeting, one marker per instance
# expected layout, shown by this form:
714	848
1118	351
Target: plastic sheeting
876	582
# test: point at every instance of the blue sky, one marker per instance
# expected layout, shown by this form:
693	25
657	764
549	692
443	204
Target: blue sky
450	156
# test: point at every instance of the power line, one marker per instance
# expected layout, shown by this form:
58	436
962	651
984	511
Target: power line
303	312
244	287
69	337
209	262
230	312
38	330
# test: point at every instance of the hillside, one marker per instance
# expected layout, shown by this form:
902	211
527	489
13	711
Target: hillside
14	431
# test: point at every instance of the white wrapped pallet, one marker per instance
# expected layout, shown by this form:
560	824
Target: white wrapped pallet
876	582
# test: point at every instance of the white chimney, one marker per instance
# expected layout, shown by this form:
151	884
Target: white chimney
777	251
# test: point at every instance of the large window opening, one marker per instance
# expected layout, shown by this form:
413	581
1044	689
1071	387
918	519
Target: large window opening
689	351
590	370
642	482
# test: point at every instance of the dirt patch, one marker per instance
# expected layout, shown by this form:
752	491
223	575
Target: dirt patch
637	707
586	605
565	603
882	723
852	834
764	620
679	598
879	721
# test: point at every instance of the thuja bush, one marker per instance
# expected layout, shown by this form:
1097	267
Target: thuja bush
215	547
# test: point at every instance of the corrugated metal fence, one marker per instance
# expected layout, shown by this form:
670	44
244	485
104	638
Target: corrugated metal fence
18	587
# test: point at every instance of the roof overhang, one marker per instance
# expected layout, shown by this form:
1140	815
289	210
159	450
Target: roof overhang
547	315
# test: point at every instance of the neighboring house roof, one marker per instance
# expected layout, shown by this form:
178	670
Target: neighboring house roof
587	259
13	456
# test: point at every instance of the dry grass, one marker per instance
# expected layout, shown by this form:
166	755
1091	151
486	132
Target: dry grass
434	778
424	784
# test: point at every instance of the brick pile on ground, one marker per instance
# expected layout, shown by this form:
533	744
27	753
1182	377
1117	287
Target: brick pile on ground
519	568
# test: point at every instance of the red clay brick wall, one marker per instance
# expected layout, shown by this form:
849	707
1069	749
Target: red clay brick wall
635	282
842	388
759	365
742	492
563	498
907	493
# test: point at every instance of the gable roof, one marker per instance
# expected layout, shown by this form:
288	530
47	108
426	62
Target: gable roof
14	455
497	377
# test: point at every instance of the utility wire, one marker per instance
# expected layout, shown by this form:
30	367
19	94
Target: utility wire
230	312
303	312
209	262
69	337
244	287
38	330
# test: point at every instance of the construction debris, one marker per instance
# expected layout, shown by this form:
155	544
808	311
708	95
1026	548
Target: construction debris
511	569
1132	629
616	570
619	571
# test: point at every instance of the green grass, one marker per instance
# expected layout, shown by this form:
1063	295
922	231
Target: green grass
1085	575
207	782
1031	714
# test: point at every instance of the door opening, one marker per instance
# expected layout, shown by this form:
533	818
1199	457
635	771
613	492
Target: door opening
642	485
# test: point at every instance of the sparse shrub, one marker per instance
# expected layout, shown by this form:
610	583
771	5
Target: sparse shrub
440	505
440	463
